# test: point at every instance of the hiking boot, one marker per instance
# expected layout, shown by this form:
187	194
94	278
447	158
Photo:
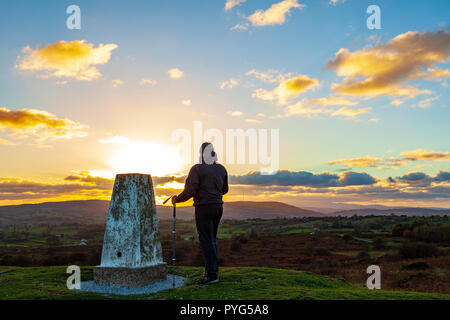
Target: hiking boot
208	280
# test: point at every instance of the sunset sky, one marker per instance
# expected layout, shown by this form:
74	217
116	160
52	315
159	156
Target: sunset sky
363	115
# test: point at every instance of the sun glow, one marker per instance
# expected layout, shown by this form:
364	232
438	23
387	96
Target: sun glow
146	157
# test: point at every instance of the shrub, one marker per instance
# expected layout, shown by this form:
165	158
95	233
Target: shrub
254	234
407	233
398	229
309	251
94	258
265	243
347	237
411	250
236	246
379	243
77	258
416	266
22	261
363	256
322	252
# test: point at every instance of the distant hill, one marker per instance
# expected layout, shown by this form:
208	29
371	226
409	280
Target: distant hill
83	212
95	212
396	211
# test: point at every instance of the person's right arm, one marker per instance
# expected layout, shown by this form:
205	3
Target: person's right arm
190	187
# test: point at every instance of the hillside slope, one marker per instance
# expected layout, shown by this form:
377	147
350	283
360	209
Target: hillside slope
95	212
236	283
396	211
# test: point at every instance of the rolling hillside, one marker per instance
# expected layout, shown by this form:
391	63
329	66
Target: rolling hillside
396	211
251	283
95	212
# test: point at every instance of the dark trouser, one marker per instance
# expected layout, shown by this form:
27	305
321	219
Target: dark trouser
207	218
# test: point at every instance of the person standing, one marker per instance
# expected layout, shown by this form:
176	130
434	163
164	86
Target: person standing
207	182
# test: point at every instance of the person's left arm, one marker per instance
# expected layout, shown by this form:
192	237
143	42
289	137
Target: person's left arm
225	183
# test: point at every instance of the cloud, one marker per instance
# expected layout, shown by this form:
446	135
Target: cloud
442	176
14	189
385	69
253	121
335	2
271	76
414	176
422	154
38	125
356	179
235	113
370	162
230	4
286	90
117	83
363	162
423	104
350	113
324	188
276	14
150	82
229	83
303	178
6	142
397	102
418	179
175	73
186	102
75	59
78	186
324	106
115	140
437	74
333	101
287	178
240	26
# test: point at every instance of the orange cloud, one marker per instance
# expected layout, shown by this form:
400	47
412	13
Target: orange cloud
370	162
6	142
422	154
276	14
230	4
385	68
363	162
287	89
38	125
75	59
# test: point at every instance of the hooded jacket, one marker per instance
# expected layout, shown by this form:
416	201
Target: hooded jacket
206	183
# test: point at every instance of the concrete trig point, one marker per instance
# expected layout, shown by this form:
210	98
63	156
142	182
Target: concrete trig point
132	254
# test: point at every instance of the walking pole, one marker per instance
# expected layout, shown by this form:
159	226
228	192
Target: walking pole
173	241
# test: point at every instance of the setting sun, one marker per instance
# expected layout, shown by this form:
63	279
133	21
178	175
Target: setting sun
146	157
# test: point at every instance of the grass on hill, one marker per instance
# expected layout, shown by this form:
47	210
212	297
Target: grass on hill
251	283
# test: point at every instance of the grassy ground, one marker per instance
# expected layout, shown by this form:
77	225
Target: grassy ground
236	283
